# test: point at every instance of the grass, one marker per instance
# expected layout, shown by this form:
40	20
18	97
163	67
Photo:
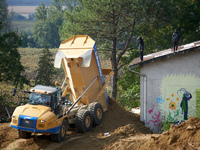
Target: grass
30	57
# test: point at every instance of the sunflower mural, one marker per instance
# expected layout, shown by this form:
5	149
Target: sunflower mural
172	90
172	105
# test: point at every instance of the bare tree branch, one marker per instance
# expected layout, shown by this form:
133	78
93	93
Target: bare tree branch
128	42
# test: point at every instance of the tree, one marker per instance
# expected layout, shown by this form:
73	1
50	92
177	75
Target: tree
166	17
112	23
5	23
45	71
49	21
11	68
41	12
129	83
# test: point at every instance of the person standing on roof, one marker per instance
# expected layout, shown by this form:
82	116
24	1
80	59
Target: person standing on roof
175	39
141	47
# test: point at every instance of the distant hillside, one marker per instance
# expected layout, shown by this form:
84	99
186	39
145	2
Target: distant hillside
28	2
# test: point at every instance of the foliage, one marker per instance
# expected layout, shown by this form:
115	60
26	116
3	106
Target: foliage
111	23
165	126
16	16
28	40
5	23
10	65
49	21
129	84
166	16
21	26
46	71
4	102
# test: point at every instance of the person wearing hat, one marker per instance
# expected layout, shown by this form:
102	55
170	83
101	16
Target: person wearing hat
141	47
175	39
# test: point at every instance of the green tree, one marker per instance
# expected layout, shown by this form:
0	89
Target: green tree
11	68
111	23
165	18
45	71
5	23
129	83
41	12
49	21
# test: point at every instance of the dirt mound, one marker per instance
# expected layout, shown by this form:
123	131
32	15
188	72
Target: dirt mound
7	134
183	136
120	129
117	116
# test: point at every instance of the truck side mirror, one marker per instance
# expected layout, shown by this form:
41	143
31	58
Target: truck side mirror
62	100
14	92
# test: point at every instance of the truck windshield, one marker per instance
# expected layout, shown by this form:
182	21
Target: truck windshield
39	99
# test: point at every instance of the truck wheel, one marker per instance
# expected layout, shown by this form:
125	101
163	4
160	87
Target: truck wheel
61	135
24	134
97	113
83	121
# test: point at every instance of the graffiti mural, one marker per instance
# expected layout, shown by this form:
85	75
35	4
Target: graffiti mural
178	96
184	103
155	116
159	100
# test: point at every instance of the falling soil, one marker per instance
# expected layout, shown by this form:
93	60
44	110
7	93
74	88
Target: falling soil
119	130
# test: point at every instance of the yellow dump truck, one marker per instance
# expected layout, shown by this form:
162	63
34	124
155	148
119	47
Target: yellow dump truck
47	110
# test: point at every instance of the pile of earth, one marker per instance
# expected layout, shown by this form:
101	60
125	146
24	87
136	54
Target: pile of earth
120	129
185	136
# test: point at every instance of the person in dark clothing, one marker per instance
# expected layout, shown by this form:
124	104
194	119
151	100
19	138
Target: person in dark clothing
175	39
141	47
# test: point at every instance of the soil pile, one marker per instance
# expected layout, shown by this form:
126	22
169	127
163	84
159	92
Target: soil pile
120	129
183	136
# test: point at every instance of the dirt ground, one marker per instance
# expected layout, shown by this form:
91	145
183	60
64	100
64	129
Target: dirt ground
120	130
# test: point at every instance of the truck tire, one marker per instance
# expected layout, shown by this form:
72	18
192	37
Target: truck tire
83	121
97	113
24	134
62	133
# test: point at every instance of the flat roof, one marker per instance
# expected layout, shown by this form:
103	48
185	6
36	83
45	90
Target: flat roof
161	55
44	89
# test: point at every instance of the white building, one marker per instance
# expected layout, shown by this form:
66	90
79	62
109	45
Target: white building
166	81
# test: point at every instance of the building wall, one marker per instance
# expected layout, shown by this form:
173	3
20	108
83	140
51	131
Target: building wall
173	90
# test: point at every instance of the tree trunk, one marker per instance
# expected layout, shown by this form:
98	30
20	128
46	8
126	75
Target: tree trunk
114	68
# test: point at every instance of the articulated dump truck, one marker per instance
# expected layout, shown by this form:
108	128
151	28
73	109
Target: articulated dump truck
49	112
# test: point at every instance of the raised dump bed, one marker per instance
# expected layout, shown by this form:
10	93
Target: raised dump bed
48	113
81	63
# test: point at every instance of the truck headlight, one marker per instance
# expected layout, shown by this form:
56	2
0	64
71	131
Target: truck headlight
14	117
42	121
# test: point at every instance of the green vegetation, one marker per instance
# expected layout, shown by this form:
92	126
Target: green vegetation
165	126
22	26
46	70
10	65
49	21
115	26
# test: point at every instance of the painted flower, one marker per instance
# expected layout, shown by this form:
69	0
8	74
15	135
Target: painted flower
172	95
168	99
177	99
172	105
